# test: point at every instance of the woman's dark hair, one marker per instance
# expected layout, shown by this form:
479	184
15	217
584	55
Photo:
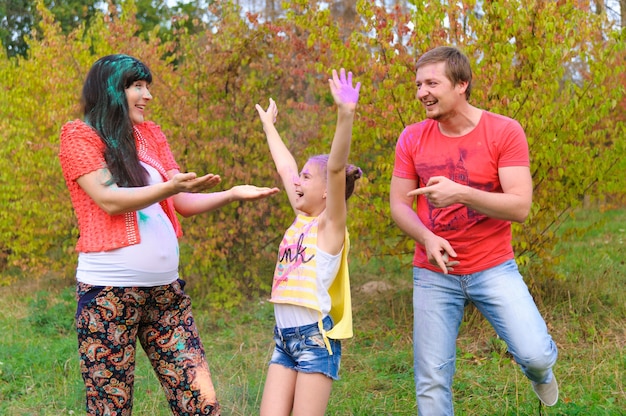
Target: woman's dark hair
106	110
352	172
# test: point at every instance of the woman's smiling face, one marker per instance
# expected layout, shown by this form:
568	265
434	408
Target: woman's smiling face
137	95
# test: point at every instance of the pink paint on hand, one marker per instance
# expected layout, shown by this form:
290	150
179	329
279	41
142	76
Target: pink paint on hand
345	91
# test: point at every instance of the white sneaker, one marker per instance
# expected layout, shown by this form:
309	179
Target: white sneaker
548	393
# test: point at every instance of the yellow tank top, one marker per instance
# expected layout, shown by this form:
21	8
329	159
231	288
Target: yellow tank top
295	280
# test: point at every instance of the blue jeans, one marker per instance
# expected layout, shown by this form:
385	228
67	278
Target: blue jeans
501	295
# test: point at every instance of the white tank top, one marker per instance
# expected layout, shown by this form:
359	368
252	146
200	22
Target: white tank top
152	262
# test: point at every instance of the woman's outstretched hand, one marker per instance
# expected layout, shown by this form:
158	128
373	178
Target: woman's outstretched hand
344	93
251	192
190	182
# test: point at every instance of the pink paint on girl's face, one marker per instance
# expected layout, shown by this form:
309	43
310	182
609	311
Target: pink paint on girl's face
311	190
137	95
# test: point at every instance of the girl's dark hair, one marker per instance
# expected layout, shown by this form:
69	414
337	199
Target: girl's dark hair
106	110
352	172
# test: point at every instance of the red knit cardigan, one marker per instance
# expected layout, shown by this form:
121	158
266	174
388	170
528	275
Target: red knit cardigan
81	152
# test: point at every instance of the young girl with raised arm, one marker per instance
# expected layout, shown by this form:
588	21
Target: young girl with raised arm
310	291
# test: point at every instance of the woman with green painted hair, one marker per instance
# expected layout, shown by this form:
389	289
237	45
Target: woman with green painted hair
126	189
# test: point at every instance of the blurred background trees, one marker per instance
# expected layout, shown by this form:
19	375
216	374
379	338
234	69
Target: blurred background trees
557	67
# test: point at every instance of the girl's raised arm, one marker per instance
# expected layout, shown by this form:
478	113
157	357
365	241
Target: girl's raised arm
346	97
286	165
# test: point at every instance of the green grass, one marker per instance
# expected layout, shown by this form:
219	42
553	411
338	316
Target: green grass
585	310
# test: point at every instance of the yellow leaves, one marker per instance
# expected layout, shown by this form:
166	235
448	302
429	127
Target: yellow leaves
545	67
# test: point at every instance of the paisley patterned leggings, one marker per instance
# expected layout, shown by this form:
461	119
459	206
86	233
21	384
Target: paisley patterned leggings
110	319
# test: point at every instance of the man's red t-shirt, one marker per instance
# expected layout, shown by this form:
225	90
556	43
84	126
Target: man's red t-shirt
474	159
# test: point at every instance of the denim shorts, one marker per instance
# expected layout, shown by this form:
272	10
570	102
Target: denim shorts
303	349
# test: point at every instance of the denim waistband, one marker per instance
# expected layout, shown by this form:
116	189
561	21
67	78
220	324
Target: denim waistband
299	331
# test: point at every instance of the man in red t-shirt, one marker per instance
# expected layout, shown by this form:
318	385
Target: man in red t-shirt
468	171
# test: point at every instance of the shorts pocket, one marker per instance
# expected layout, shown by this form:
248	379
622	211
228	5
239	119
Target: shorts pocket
315	341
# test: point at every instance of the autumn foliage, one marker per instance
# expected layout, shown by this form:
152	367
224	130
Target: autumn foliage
554	67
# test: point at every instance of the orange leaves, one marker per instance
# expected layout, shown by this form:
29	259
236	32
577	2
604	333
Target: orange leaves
546	66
